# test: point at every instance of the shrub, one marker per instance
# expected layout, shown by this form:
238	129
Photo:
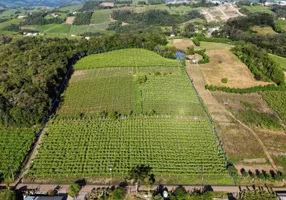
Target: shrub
196	41
224	80
140	78
74	190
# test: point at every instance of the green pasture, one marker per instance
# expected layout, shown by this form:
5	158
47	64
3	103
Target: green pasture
254	9
280	60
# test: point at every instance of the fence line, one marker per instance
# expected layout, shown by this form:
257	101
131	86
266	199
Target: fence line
208	116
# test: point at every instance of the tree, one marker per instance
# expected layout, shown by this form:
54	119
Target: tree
140	173
74	190
118	194
7	195
180	194
189	29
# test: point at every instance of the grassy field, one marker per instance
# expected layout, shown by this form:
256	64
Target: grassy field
54	28
91	148
215	46
254	9
100	16
76	30
282	23
125	58
263	30
71	8
280	60
14	145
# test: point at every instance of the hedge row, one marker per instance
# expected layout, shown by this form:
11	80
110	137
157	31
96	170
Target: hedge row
217	40
206	58
260	88
196	41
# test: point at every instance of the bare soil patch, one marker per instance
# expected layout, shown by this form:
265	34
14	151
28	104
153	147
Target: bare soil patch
79	73
224	64
255	160
70	20
183	44
253	168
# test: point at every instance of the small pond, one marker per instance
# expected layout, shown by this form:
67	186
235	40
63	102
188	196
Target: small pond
180	55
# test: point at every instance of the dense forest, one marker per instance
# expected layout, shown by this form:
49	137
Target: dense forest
240	29
31	70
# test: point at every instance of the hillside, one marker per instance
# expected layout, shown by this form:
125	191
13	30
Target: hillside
52	3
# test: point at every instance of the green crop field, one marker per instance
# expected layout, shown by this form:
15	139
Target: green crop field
54	28
125	108
100	16
14	145
90	148
254	9
276	100
166	91
95	91
280	60
125	58
76	30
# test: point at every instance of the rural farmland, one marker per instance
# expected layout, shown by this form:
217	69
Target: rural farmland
129	115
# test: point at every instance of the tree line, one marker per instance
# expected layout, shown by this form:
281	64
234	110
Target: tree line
32	69
239	29
38	18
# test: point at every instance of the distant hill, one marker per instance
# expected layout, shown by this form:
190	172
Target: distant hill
50	3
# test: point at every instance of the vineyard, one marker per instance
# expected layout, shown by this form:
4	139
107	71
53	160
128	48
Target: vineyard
126	109
125	58
276	100
166	91
90	148
14	145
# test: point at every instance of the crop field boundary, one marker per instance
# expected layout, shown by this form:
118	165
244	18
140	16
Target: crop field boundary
208	116
75	58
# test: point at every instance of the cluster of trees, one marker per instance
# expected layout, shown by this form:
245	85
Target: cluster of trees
12	27
272	175
280	11
259	63
32	69
83	18
239	29
153	17
38	18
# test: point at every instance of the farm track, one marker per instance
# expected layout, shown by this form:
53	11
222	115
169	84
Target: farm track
216	109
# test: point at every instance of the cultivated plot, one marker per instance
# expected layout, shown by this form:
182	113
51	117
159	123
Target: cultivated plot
92	148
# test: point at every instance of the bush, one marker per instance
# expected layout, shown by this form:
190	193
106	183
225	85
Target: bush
224	80
140	78
74	190
196	41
